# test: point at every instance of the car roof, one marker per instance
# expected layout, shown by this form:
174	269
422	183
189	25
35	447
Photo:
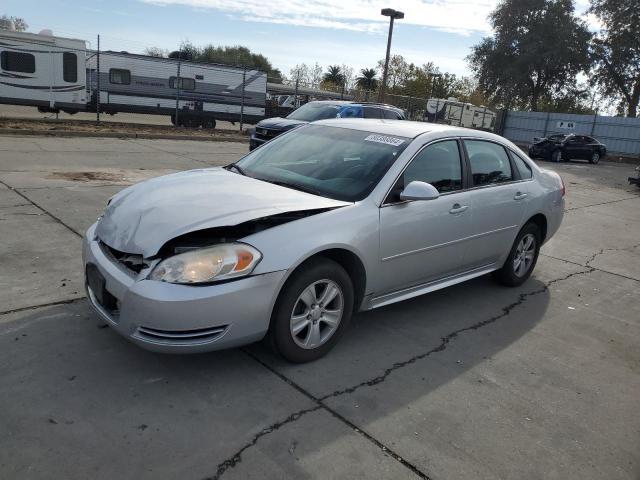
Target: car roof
353	102
405	128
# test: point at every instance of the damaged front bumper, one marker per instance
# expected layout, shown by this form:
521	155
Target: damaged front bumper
167	317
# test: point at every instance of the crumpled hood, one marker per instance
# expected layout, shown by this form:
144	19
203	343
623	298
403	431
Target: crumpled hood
143	217
278	123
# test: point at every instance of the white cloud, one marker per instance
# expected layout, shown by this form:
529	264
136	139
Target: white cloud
457	16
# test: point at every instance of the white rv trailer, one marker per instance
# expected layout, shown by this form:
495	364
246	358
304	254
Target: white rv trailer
42	70
141	84
55	73
453	112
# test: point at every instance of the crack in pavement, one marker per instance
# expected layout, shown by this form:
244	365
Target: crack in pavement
320	402
51	215
237	457
595	268
444	341
603	250
50	304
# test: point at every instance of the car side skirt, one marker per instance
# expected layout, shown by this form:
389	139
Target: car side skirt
423	288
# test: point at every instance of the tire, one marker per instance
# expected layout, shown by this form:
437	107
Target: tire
556	156
512	273
595	158
295	300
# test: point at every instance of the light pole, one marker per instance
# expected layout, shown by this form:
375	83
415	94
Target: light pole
393	15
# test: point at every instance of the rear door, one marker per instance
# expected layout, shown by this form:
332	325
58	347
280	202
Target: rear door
498	199
421	241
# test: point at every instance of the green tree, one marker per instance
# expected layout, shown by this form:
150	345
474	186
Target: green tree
367	79
235	56
616	52
14	24
333	75
156	52
538	48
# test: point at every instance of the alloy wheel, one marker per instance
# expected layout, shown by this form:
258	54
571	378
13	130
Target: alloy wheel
317	314
525	254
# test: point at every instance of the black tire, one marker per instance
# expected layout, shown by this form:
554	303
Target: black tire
556	156
280	334
507	274
595	158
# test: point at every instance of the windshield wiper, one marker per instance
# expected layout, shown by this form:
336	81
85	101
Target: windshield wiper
236	168
295	186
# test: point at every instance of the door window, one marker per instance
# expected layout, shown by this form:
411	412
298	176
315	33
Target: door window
370	112
390	114
18	62
184	83
489	163
69	67
439	165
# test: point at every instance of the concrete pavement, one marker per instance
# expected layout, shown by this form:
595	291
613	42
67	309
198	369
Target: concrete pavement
475	381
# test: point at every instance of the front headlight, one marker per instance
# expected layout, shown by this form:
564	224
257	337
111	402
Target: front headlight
210	264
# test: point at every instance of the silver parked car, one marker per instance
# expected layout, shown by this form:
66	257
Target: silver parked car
329	219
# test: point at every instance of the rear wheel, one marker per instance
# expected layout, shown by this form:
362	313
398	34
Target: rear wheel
312	311
595	158
522	257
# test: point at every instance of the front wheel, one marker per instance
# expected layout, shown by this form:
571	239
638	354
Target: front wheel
595	158
522	257
312	311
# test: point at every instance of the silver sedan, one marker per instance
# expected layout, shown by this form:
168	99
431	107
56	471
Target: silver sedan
332	218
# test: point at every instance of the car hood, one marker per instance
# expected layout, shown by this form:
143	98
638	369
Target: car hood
279	123
142	218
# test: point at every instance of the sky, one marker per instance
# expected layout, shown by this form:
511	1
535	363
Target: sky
287	32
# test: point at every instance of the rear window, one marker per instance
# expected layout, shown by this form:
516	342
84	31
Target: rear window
18	62
523	167
390	114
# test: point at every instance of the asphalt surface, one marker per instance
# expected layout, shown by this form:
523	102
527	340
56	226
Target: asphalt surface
475	381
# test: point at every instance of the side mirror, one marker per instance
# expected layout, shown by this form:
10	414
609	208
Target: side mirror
419	191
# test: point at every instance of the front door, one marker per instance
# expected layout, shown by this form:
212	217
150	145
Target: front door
421	241
498	200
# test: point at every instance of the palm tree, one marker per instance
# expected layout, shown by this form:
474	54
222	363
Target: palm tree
333	75
367	79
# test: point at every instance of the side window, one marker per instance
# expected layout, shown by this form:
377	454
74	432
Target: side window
439	165
523	168
18	62
185	83
489	163
370	112
120	76
389	114
69	67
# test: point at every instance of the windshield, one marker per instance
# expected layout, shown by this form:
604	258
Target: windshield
311	112
333	162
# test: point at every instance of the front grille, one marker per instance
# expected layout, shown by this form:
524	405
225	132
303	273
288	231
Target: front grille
131	261
201	335
266	133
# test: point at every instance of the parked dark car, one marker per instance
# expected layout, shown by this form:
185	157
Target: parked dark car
635	180
558	148
269	128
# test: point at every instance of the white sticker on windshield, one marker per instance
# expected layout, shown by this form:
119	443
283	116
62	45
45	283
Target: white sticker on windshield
384	139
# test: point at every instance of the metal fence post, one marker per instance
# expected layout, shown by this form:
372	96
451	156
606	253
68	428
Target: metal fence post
295	93
98	83
244	75
593	125
178	89
546	124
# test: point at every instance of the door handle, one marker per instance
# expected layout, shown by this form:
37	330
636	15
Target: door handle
457	208
520	196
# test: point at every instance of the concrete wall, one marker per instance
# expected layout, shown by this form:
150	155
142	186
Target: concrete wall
619	134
